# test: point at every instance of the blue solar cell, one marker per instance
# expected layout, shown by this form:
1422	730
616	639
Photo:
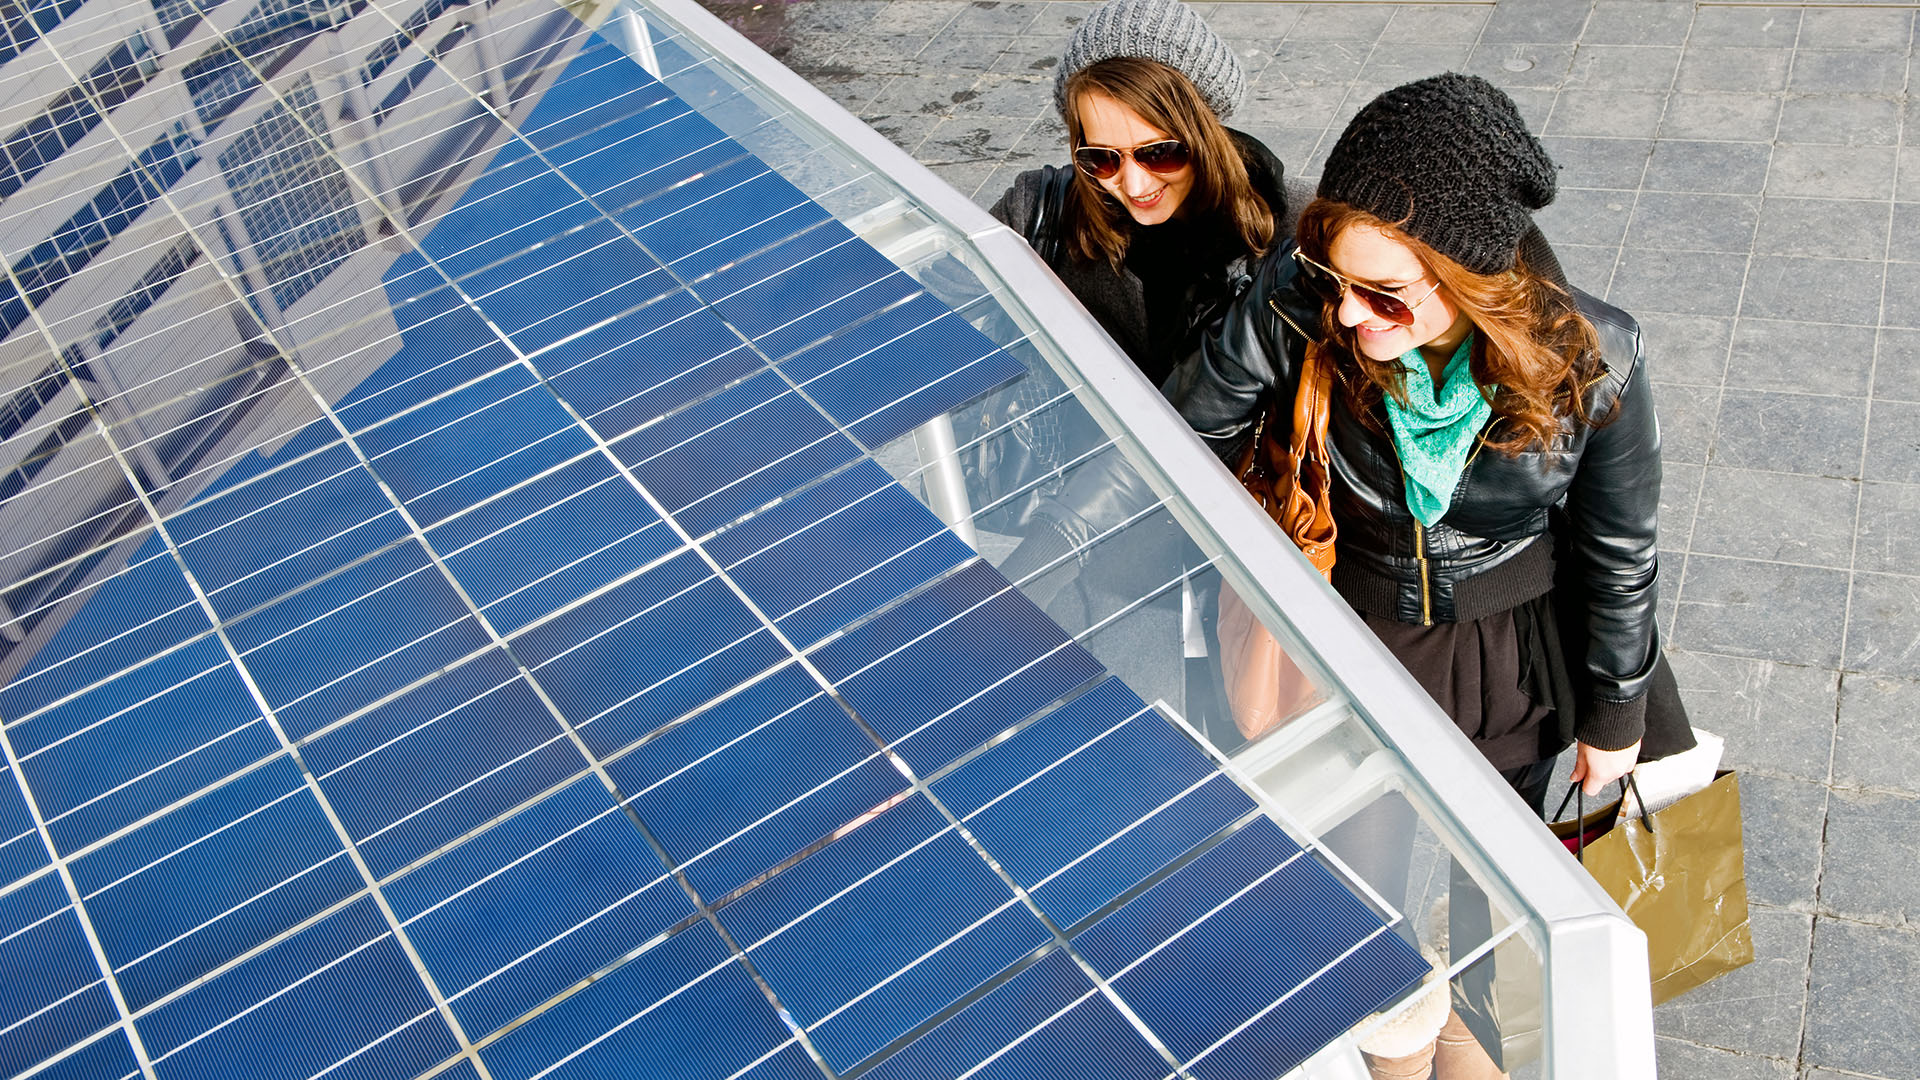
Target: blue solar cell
1054	1014
638	656
1163	985
21	851
169	909
695	161
650	1009
762	441
584	885
518	201
473	444
793	892
435	356
426	768
391	1029
976	672
1378	972
738	201
127	748
601	84
308	522
791	1063
647	364
835	313
109	1058
754	779
590	287
674	748
51	991
140	612
819	560
547	544
352	639
778	286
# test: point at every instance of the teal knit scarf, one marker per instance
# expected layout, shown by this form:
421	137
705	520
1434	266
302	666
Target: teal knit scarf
1434	431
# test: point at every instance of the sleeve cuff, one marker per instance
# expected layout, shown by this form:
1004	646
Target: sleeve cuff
1615	725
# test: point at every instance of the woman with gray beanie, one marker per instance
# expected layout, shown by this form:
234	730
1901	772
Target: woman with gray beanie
1495	456
1156	226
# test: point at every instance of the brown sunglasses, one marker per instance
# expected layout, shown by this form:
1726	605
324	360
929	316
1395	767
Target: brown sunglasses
1330	284
1160	157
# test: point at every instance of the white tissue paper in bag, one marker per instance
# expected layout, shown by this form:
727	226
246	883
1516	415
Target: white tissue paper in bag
1665	782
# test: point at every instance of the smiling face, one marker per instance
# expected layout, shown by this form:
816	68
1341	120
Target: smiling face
1150	198
1376	259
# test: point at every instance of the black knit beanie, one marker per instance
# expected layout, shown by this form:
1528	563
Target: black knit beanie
1448	160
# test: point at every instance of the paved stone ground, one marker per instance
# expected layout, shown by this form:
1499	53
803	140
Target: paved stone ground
1742	179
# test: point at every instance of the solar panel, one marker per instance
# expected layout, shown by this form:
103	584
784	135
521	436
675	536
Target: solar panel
457	626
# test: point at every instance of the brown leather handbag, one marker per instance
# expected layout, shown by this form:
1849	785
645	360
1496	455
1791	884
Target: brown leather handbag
1293	481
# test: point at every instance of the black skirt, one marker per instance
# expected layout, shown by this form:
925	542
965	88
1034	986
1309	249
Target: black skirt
1505	682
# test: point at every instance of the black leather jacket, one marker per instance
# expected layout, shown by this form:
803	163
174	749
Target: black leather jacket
1492	550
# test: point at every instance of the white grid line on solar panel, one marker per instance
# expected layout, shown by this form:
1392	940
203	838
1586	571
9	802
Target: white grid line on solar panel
131	421
917	639
731	959
1010	903
42	489
1062	760
249	722
879	752
720	749
47	671
36	1014
315	546
282	992
1035	1031
191	844
41	921
649	688
243	654
369	1047
1168	941
849	888
612	810
257	895
937	533
78	732
46	1067
562	935
90	23
1283	998
475	782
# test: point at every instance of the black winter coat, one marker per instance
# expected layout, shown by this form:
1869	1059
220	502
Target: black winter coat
1491	551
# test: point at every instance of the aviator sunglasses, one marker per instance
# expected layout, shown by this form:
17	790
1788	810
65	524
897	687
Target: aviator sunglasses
1330	284
1161	157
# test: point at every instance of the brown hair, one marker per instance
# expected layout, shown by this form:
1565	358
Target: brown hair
1099	225
1530	341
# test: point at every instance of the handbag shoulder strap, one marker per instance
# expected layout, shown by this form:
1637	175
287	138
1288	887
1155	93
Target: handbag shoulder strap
1313	405
1043	228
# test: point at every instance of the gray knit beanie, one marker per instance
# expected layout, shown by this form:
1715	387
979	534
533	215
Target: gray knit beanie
1450	159
1164	30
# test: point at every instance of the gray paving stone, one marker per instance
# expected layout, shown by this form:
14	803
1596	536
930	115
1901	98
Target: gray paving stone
1727	26
1794	433
1459	23
1845	119
831	16
1055	21
1708	114
1782	823
1896	368
1275	100
1756	1009
973	139
959	49
1873	744
1807	520
1893	455
1254	21
1886	540
1599	163
1535	20
1870	873
925	17
1903	296
1317	63
1692	222
1777	718
906	130
996	16
1407	61
1883	625
1847	71
1612	113
1007	95
1828	227
1857	1020
1679	496
1681	282
1904	244
1521	65
1686	423
882	54
1829	1074
851	92
1588	267
1584	216
1908	187
927	95
1637	22
1689	349
1625	67
1820	358
1889	31
1685	1059
1767	611
1713	67
1822	290
1696	165
966	177
1341	22
1832	172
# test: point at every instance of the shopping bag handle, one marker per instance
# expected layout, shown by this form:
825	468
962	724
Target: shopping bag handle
1577	794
